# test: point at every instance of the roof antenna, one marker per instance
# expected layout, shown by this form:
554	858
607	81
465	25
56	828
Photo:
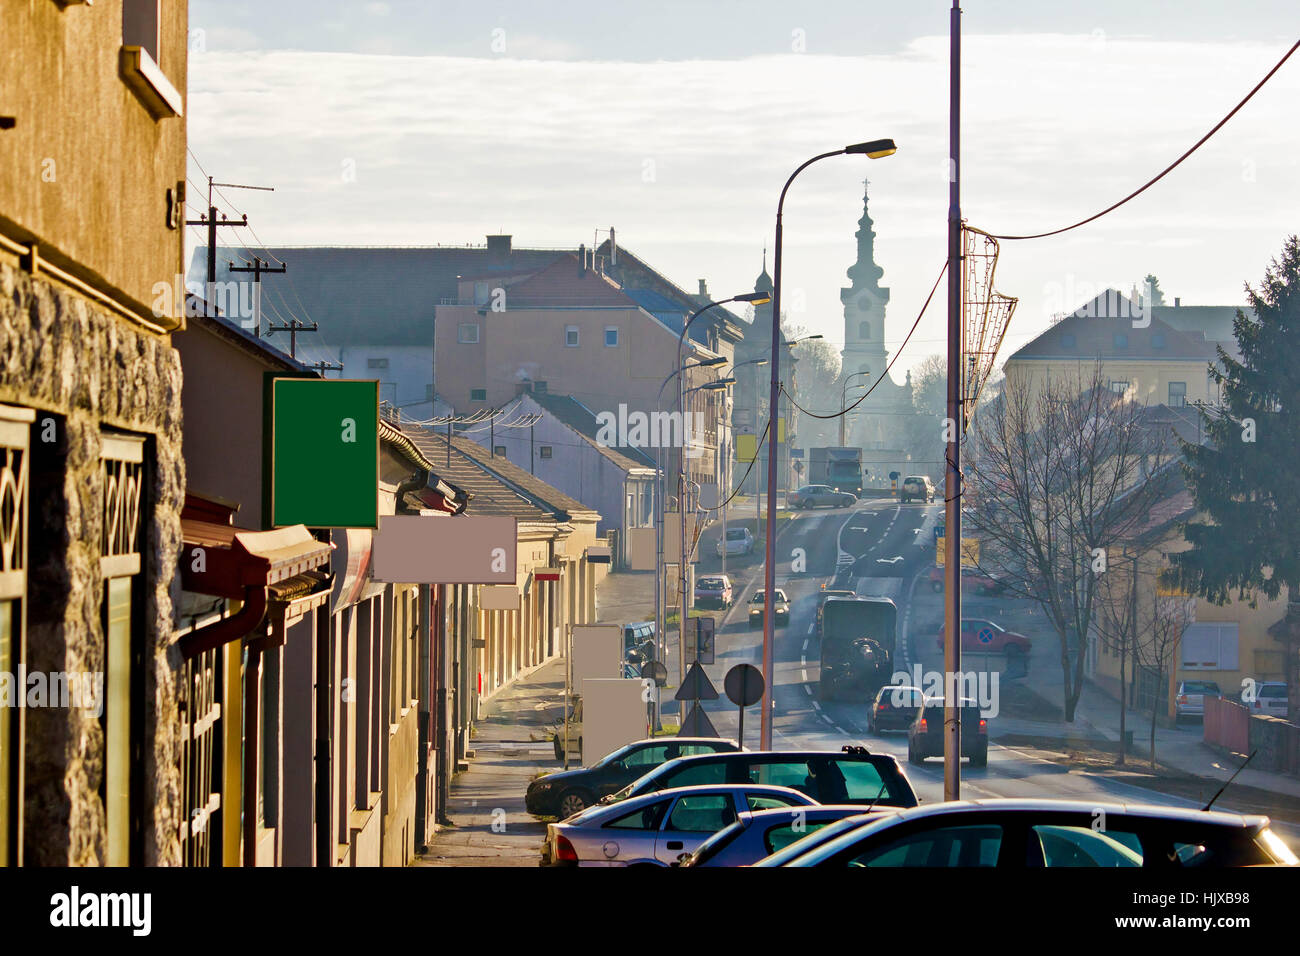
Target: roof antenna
1230	779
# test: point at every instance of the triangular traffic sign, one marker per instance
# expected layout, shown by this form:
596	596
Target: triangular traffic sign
697	724
696	685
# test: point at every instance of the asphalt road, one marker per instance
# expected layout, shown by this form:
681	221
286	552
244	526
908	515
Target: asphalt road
887	549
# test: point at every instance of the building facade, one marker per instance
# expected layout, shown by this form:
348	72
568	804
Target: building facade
91	226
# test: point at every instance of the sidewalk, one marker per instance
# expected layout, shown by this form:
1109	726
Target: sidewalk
511	745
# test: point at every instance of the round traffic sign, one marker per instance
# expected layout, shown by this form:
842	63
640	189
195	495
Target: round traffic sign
985	635
656	672
744	685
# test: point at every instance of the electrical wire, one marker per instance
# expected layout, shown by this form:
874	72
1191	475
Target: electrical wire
1168	169
885	373
757	448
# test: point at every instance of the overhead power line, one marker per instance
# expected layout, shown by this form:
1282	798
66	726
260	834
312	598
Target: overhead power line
1168	169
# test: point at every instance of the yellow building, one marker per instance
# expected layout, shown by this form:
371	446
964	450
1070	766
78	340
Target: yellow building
1142	357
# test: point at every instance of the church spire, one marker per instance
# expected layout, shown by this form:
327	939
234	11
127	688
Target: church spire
864	274
764	282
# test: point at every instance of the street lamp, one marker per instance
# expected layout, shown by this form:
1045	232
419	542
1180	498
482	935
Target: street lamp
724	466
843	392
661	642
875	149
682	557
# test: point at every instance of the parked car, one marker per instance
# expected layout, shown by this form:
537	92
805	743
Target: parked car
925	734
713	590
659	829
894	708
639	642
850	775
826	593
973	579
978	634
566	792
814	496
780	608
757	834
916	486
1270	699
739	541
1016	833
1190	699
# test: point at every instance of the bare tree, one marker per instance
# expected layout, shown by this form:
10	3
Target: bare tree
1160	636
1060	477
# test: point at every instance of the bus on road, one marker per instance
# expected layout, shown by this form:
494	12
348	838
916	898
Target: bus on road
858	636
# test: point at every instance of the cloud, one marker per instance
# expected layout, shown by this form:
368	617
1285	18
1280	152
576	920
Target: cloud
686	159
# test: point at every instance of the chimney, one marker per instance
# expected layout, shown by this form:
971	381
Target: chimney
704	289
582	260
598	263
1177	302
613	248
498	248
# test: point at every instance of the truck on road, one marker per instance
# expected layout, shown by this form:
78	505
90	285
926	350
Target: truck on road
857	652
841	468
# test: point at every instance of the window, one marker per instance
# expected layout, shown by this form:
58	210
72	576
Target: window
15	438
377	363
571	336
539	388
705	813
645	818
940	847
1157	340
1210	646
499	451
140	58
1119	388
864	330
1084	846
780	837
467	333
428	392
1120	340
544	451
1177	394
767	801
478	394
611	336
1067	340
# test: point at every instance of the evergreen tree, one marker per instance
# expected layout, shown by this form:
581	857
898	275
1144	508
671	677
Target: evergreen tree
1153	284
1243	479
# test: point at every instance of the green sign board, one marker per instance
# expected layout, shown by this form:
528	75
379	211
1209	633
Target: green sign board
324	453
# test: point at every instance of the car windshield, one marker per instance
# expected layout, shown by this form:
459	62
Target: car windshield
736	534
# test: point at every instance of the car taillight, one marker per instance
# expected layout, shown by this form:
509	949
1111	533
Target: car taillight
564	852
983	724
922	725
882	706
1182	698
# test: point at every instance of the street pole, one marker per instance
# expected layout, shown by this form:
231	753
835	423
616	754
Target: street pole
952	476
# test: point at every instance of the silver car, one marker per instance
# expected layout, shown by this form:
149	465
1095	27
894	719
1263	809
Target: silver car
757	834
660	828
1269	699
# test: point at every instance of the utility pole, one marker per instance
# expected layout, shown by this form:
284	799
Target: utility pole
955	423
210	220
293	327
324	367
258	267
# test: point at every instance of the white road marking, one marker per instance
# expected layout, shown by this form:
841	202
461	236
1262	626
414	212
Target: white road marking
807	690
805	674
816	706
805	642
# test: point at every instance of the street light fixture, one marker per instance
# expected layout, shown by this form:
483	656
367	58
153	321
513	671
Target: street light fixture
843	416
875	149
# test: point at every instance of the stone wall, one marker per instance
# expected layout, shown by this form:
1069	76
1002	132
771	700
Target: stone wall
84	369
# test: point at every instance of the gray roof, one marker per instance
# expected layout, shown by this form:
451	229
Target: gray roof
582	420
1091	333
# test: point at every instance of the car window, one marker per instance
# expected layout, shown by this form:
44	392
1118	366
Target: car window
692	750
767	801
949	846
782	835
792	774
705	772
647	756
1083	846
701	813
643	818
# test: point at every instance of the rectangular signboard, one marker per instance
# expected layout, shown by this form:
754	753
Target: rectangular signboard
498	597
970	551
597	652
613	714
324	453
431	549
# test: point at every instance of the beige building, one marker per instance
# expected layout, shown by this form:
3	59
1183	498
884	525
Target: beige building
1226	644
1142	357
92	149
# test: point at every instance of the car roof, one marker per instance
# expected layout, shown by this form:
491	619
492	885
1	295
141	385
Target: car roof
632	804
1091	808
820	811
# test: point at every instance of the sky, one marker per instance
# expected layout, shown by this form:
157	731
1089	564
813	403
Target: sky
439	122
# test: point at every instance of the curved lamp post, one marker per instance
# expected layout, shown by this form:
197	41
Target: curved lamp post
844	390
875	149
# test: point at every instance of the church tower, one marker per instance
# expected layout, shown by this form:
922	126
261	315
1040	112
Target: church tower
864	307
